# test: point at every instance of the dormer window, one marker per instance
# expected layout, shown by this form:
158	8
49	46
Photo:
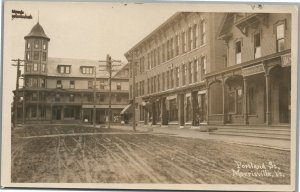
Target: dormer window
64	69
87	70
36	44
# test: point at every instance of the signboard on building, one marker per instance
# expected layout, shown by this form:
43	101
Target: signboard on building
286	60
256	69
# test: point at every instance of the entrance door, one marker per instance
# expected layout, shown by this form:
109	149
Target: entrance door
56	113
284	104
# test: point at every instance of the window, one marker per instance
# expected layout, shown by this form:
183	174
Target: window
177	77
36	44
28	56
163	81
58	84
238	52
203	67
72	84
35	67
43	83
203	32
90	97
257	47
171	48
280	37
163	53
44	45
190	34
158	55
176	45
154	83
34	97
64	69
102	98
71	97
183	74
34	82
69	112
195	69
33	111
239	102
57	97
43	111
118	86
158	83
190	72
44	56
130	90
102	84
118	98
168	79
195	36
183	39
172	79
28	45
90	84
43	67
36	55
42	96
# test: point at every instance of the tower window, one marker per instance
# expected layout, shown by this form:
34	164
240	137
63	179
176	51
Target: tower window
36	55
28	45
44	56
36	44
44	45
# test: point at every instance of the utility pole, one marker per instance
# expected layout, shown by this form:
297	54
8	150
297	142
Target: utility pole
133	67
16	97
94	92
109	68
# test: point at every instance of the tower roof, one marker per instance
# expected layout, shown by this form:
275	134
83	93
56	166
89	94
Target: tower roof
37	31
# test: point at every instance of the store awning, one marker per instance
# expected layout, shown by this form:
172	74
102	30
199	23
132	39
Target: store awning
127	109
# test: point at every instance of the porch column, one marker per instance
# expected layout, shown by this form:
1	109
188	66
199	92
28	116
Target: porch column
223	101
268	99
245	101
181	109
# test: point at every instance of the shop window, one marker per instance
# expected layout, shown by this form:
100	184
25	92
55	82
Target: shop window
257	46
72	84
58	84
173	112
280	37
69	112
36	55
238	52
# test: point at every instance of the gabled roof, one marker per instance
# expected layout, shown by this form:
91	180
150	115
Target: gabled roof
122	72
37	31
226	25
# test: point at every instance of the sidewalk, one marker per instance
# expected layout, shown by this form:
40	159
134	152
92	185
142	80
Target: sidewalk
196	133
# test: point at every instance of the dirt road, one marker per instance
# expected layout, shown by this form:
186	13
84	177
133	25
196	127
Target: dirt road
62	155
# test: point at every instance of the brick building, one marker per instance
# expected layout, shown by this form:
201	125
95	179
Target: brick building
61	90
213	68
169	66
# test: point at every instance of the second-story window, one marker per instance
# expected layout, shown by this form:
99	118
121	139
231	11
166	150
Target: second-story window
43	84
35	67
28	56
90	84
58	84
238	52
36	44
64	69
119	86
257	47
44	45
280	37
72	84
44	56
36	55
28	45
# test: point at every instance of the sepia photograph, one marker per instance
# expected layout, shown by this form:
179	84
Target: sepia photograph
149	95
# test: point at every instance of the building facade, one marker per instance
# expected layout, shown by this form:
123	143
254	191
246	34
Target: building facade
61	90
213	68
168	67
256	81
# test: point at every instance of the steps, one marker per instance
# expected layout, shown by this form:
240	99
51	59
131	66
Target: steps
271	132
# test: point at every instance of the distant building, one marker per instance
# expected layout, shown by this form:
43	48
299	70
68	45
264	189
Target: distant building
170	66
61	90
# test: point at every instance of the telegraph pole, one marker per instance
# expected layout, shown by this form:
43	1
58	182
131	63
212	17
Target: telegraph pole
16	97
109	68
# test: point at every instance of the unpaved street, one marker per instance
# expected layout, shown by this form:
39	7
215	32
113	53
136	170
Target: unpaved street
67	155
